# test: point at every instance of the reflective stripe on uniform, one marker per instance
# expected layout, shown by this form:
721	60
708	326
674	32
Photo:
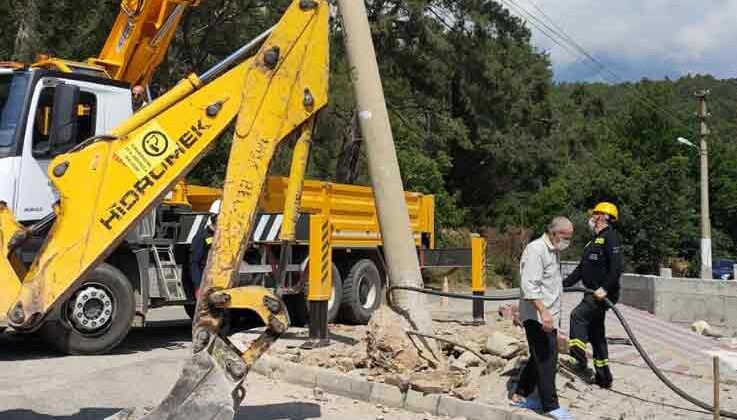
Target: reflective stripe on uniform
575	342
601	362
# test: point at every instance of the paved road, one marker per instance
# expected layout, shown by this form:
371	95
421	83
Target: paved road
637	393
37	384
673	347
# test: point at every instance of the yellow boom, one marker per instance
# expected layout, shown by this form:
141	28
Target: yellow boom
140	37
110	182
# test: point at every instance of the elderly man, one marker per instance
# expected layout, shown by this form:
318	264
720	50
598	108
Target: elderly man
541	285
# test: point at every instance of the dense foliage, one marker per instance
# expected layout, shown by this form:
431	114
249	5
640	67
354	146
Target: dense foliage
476	116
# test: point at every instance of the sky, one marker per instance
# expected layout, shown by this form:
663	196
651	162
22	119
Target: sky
635	39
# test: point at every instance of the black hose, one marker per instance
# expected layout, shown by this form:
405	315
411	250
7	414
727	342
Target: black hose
445	340
681	393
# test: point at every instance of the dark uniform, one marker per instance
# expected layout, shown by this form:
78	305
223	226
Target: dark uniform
601	266
198	258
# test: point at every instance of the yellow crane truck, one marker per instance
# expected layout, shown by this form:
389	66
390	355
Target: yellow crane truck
108	191
56	110
358	267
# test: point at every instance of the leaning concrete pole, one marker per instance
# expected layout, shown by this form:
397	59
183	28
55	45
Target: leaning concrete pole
396	233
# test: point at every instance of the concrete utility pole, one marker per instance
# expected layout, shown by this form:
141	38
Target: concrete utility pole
704	157
396	233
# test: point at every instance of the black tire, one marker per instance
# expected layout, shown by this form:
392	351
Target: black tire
67	337
336	296
362	292
298	305
299	316
189	309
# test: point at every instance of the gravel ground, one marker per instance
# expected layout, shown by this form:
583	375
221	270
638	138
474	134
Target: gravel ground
637	393
37	384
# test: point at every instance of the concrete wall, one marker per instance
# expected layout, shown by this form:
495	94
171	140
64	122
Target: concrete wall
683	300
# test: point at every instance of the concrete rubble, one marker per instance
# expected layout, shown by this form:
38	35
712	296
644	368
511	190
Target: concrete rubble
703	328
382	353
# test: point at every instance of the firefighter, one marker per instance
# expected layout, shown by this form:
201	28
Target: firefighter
599	269
201	248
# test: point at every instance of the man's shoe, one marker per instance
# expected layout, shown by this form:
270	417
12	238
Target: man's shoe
560	414
529	403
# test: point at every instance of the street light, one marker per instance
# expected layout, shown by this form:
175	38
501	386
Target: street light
687	142
705	222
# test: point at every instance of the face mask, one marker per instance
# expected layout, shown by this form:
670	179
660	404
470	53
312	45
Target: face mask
592	224
564	244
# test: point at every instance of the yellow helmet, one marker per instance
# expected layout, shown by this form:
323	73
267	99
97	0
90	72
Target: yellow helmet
607	208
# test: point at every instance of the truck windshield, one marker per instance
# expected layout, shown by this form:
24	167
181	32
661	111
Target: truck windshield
12	92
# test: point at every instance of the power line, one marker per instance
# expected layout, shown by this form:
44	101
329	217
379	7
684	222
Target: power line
612	76
559	37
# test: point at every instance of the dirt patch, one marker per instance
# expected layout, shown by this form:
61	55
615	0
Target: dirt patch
385	357
384	353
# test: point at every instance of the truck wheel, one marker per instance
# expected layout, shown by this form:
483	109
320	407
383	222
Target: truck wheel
96	317
189	309
298	305
336	295
362	292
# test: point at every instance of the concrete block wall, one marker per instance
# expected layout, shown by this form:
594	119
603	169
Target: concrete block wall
683	300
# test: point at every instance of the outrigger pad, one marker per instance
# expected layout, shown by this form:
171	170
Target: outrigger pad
210	388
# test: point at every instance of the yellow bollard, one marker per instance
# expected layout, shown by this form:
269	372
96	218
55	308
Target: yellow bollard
478	277
320	280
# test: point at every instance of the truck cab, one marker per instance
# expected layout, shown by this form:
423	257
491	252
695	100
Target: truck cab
27	141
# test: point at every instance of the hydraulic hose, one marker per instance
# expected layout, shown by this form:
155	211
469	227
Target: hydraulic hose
509	296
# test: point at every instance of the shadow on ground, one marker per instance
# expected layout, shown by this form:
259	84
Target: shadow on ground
279	411
156	335
83	414
291	410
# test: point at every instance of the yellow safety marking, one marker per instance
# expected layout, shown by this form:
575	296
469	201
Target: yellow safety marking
320	272
577	343
599	241
601	363
478	264
147	150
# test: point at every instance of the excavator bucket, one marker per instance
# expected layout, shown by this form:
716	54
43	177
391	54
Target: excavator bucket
285	86
211	385
205	391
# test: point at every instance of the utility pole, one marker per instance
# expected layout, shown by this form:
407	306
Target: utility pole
396	232
704	157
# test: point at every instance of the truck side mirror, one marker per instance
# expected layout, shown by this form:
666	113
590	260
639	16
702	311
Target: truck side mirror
63	130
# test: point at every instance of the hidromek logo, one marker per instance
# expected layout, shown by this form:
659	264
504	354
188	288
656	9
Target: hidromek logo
131	197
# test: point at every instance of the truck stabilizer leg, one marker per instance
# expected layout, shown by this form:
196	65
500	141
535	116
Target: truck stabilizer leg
318	325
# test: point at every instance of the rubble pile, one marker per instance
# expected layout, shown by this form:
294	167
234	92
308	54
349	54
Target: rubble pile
383	352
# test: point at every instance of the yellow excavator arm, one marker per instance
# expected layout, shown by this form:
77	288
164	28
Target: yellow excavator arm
140	37
108	183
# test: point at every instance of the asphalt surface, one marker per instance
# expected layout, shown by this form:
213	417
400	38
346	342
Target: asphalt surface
38	384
